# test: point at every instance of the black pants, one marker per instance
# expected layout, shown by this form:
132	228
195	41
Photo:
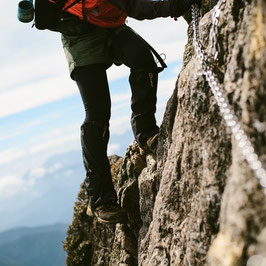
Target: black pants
127	48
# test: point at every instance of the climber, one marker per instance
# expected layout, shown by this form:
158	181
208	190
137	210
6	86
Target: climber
94	36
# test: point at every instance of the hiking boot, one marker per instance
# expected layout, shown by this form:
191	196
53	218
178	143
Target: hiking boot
151	146
109	213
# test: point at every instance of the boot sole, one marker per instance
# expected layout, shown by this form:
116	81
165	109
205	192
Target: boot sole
120	221
90	214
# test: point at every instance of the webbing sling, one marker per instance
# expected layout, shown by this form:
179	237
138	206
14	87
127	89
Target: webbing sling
161	61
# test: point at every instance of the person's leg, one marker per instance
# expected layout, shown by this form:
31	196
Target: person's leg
94	90
88	59
130	50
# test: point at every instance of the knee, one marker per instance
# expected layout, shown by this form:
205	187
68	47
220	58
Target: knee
97	129
94	124
147	62
98	115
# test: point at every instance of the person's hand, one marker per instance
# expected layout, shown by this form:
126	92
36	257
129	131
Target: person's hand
204	2
199	2
181	8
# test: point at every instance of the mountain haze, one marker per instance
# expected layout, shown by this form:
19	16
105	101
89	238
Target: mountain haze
27	246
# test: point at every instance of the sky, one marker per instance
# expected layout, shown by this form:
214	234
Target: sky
40	106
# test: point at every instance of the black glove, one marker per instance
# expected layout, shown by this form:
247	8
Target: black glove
179	7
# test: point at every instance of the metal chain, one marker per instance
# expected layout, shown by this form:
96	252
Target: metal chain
226	109
215	31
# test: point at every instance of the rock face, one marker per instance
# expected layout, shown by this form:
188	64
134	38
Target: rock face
198	203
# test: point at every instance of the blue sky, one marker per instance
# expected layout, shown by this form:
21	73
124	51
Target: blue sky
40	107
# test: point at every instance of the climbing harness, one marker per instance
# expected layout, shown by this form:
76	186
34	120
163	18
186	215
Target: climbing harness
226	109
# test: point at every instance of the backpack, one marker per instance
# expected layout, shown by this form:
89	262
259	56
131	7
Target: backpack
48	13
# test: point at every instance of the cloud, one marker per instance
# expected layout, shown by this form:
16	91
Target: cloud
177	69
164	34
13	183
34	174
55	167
112	148
42	77
8	14
10	155
33	68
10	185
117	72
121	106
37	172
52	143
160	29
63	139
173	50
59	132
9	133
120	97
35	94
120	125
166	88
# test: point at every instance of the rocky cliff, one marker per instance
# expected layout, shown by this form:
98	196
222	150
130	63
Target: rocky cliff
198	203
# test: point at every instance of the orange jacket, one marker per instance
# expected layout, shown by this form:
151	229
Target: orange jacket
99	12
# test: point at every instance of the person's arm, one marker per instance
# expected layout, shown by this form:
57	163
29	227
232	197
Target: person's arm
150	9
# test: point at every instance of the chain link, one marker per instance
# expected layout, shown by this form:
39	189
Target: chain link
215	31
226	109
